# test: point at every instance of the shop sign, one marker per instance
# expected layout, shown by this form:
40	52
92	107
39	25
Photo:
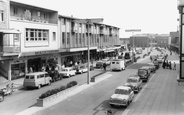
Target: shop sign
46	52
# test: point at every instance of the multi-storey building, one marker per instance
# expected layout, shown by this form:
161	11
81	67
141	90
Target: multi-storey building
175	41
34	36
150	40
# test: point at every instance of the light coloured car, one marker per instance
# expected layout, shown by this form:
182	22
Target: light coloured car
81	69
67	72
37	79
122	96
160	59
135	83
153	67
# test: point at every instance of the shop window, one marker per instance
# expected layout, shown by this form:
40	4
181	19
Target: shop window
18	70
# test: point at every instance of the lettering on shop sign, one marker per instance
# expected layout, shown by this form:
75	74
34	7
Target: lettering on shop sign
46	52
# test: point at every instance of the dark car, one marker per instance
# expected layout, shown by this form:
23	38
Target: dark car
144	73
99	64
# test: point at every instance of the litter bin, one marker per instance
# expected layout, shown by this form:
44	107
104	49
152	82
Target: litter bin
93	79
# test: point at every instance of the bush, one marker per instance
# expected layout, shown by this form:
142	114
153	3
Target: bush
56	90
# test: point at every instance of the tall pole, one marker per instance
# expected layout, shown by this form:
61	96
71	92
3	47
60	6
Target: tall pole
88	74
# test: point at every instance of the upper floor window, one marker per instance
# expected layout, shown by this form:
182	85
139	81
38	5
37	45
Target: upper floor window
27	14
68	37
63	21
15	12
36	35
63	37
1	16
38	14
45	16
54	36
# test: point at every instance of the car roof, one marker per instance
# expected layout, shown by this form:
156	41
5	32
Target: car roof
123	87
36	73
134	76
144	67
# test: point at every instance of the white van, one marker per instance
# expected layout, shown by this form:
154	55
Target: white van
117	64
37	79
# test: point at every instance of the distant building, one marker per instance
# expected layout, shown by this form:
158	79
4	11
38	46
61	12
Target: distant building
150	40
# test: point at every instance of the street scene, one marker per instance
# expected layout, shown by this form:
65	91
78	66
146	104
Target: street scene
57	64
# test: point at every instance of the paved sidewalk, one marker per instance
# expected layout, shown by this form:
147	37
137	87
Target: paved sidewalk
160	96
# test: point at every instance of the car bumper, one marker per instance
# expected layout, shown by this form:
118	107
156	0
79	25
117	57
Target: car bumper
118	104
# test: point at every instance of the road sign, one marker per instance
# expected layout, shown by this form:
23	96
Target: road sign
133	30
92	20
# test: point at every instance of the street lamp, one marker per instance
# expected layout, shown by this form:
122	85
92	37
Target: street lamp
133	30
88	22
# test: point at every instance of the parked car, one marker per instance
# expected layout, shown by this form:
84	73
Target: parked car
67	72
37	79
91	67
153	67
135	83
122	96
134	76
160	59
156	63
144	73
81	69
99	64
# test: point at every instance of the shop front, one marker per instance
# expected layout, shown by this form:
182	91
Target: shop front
18	70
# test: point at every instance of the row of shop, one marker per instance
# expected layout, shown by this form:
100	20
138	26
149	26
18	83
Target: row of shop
15	68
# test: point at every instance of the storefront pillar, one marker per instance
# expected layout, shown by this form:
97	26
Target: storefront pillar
59	60
9	70
26	67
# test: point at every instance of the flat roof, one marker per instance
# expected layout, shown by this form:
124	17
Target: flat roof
31	6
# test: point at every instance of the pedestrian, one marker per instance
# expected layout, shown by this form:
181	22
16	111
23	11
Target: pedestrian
151	58
174	66
167	64
170	65
30	69
104	66
163	65
47	68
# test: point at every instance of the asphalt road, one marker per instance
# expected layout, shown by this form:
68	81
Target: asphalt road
95	99
24	99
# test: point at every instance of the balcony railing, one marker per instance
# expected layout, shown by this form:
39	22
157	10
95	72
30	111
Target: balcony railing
11	49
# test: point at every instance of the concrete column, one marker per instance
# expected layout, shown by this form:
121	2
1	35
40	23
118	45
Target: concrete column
59	59
26	68
9	71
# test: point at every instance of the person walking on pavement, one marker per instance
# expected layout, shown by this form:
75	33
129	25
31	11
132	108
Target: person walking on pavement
104	66
163	65
174	66
170	65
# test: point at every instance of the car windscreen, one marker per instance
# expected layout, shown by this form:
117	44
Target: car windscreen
142	72
132	80
121	91
29	76
64	70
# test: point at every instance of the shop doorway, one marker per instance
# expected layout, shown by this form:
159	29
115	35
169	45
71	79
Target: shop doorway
35	64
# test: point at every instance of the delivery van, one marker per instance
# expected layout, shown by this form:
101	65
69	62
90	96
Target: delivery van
118	64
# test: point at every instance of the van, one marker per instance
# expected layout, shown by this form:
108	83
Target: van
117	64
144	73
37	79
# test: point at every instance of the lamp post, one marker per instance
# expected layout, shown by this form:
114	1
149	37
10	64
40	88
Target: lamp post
133	30
88	22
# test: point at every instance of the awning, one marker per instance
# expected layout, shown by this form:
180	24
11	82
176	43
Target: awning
9	31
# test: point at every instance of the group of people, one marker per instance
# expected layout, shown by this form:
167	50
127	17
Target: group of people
168	65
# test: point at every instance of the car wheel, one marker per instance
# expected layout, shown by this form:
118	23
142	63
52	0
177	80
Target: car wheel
49	83
1	98
39	86
127	104
111	105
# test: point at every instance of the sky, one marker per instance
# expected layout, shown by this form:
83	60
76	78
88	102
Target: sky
151	16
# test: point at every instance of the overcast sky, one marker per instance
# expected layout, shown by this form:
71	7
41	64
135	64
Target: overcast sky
151	16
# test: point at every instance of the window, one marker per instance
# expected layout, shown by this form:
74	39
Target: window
76	38
16	37
54	36
80	38
14	11
1	16
45	16
63	37
36	35
68	37
63	21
